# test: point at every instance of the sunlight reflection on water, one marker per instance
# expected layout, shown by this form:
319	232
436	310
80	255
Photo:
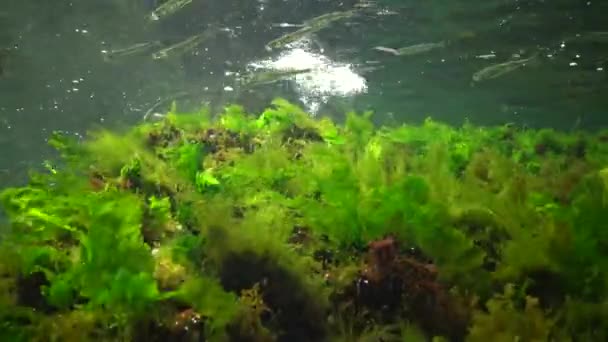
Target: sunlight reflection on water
326	79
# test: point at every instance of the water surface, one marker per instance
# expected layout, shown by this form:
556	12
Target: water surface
54	75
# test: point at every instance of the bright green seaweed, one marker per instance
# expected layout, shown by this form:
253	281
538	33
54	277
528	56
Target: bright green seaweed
278	226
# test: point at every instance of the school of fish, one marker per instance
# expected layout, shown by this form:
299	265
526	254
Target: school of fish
165	9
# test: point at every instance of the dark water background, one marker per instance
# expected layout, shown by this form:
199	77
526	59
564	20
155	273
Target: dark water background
53	75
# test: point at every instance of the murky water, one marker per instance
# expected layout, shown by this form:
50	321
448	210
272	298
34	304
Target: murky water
55	74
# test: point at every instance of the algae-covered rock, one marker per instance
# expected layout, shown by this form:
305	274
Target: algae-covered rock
279	226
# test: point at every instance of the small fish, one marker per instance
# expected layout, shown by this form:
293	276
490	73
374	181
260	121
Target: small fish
412	49
589	37
130	50
497	70
151	113
289	38
599	35
313	25
269	77
419	48
168	8
368	68
185	45
387	49
486	56
466	34
366	4
286	25
327	18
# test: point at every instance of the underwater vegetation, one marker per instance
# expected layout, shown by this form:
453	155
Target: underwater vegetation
283	227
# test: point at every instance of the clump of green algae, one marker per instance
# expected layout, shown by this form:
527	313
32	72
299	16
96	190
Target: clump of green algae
282	227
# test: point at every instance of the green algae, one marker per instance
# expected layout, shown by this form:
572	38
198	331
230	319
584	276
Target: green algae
279	226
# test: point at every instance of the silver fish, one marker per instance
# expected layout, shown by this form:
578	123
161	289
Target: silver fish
151	113
387	49
600	36
486	56
185	45
328	18
589	37
269	77
130	50
412	49
310	26
290	38
167	8
419	48
286	25
497	70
